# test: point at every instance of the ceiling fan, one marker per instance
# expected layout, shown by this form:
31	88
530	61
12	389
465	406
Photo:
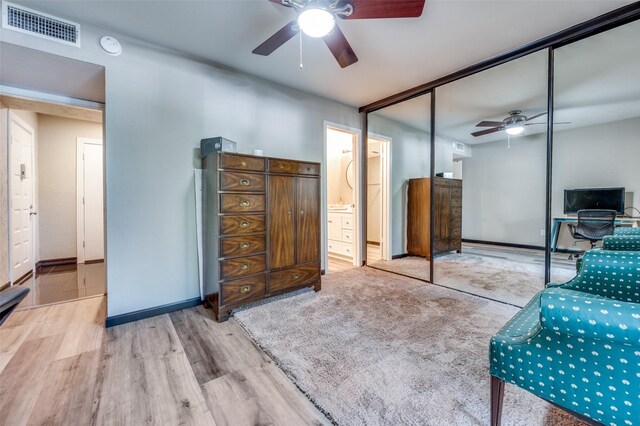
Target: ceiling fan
514	124
317	18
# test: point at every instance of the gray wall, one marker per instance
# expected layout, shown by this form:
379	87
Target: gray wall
504	189
57	210
158	107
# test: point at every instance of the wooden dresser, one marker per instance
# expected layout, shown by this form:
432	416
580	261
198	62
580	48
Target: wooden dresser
447	197
261	228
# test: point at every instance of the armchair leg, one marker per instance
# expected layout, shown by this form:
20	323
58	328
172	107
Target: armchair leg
497	394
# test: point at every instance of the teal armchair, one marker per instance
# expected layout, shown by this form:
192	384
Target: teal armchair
616	243
626	231
577	345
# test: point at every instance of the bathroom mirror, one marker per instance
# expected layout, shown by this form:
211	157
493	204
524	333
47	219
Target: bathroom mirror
350	175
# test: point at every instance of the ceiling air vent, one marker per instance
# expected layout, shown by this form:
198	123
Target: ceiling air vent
39	24
458	146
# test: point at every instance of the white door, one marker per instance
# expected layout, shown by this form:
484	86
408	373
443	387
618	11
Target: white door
21	175
90	201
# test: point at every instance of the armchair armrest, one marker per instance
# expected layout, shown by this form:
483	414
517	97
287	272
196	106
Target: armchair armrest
581	314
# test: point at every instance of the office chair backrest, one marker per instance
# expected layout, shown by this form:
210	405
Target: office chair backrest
595	224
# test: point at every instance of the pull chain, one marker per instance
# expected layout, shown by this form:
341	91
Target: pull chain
301	65
508	141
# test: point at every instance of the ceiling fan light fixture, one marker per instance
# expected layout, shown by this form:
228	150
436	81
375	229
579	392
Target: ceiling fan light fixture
316	21
515	130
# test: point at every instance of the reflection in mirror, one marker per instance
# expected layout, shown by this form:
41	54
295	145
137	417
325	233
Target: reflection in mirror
398	188
490	194
596	158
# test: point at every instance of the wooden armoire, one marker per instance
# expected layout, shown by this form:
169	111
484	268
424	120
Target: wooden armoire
261	224
447	198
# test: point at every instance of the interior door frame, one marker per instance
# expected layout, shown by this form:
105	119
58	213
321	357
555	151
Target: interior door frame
9	116
385	180
357	259
80	143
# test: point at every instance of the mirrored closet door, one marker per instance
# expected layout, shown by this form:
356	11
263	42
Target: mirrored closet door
489	193
398	188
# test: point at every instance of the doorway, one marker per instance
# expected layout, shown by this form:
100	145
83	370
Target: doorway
378	198
341	183
55	179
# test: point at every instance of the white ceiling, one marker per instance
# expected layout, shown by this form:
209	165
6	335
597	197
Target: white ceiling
395	54
596	81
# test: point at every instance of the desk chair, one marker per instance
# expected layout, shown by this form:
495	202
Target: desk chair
592	226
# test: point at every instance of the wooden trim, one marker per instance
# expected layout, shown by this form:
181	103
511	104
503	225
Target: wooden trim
615	18
89	262
549	165
498	243
56	262
23	278
373	243
399	256
5	285
151	312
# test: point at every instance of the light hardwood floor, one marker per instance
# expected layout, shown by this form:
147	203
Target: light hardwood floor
59	365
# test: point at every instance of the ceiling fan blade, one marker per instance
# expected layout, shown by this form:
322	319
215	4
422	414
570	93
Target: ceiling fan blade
486	132
536	116
489	124
278	39
557	122
340	47
376	9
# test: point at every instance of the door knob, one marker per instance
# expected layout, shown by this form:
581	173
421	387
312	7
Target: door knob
33	213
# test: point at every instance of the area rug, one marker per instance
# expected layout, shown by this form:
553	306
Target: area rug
374	348
508	278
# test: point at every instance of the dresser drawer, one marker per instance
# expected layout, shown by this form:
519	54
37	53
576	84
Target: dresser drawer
242	182
231	225
293	277
293	167
242	266
241	162
242	245
242	203
347	221
237	291
347	236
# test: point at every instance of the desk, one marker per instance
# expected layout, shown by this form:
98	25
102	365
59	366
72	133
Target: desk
558	221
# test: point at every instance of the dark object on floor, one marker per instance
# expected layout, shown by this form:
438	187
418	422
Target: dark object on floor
593	225
10	298
577	344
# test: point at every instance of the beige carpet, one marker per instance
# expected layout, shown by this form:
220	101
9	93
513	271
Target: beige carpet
507	277
374	348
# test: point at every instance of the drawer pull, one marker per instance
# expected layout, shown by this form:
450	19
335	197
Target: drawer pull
244	224
296	276
289	212
245	289
301	211
244	266
244	203
243	163
244	245
244	182
282	166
